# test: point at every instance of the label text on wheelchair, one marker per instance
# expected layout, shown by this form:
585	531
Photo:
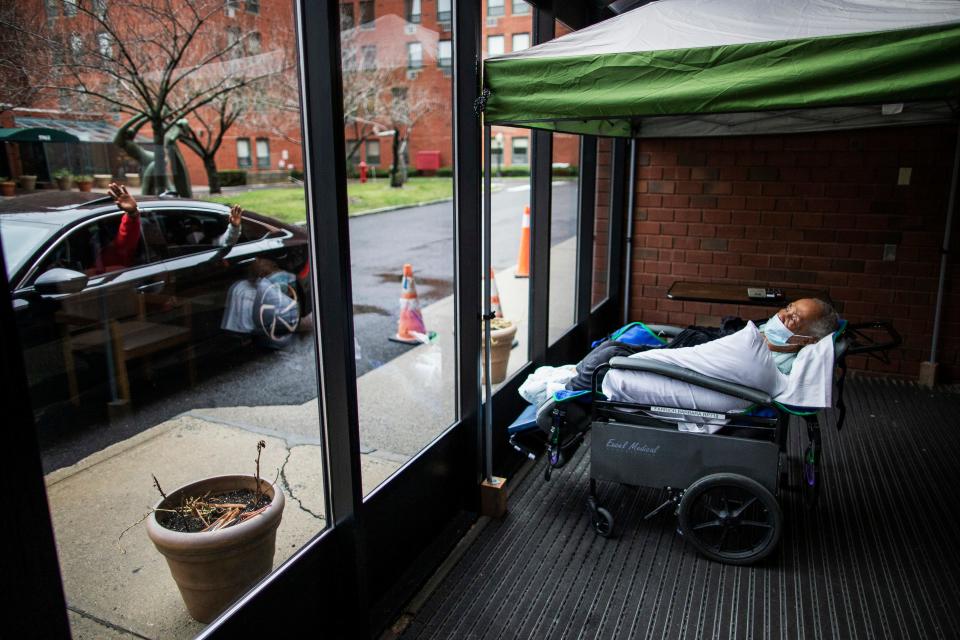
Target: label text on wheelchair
689	412
632	447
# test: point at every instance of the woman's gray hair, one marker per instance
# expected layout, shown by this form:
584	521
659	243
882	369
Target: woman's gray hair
828	321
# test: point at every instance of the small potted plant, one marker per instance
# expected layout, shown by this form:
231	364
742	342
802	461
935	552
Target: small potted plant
28	182
218	536
64	179
84	182
8	187
502	332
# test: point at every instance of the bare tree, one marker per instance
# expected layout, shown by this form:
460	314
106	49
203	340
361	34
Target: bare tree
404	108
162	59
21	31
213	126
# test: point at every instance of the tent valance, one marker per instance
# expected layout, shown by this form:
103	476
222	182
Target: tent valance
694	57
36	134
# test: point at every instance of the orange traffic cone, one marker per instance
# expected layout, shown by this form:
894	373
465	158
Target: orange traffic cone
523	258
410	328
495	307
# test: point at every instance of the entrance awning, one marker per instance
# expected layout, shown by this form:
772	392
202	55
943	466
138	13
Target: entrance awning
36	134
79	130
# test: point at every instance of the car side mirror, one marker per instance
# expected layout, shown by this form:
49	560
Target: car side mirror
57	281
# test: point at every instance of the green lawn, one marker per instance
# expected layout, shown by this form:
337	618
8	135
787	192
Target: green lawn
286	203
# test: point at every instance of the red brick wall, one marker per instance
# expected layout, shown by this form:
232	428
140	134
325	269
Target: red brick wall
810	210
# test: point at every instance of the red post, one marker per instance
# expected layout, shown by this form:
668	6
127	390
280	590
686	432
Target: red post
363	172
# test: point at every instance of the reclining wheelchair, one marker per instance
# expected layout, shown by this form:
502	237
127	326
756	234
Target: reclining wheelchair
722	483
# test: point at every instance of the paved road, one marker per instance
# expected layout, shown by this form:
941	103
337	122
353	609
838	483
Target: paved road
380	245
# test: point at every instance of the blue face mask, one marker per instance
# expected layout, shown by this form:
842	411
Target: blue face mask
776	332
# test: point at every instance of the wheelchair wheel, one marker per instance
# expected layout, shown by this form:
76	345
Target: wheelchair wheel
602	521
730	518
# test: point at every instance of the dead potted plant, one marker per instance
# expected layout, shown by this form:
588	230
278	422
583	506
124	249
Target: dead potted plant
8	187
502	332
218	536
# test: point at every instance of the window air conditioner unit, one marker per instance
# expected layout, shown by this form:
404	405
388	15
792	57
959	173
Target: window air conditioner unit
411	74
409	28
491	22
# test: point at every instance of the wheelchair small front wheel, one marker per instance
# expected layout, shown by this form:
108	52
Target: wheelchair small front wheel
730	518
602	521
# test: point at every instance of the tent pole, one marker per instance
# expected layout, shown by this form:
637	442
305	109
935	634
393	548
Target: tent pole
628	256
488	404
951	205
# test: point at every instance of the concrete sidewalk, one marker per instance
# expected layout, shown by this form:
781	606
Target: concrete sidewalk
121	588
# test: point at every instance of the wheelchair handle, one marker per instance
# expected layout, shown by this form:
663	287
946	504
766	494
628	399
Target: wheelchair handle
893	338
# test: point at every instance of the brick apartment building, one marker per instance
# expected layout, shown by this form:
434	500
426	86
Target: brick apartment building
408	41
257	142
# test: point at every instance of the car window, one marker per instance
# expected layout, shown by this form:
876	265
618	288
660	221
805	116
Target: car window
98	247
21	240
251	230
186	231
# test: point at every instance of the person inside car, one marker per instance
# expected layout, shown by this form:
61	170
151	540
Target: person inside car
129	233
120	252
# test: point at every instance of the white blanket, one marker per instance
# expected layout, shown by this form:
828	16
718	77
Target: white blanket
742	357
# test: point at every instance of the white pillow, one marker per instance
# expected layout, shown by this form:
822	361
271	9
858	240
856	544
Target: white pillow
742	357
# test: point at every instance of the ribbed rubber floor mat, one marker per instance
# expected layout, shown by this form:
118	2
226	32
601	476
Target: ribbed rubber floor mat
877	558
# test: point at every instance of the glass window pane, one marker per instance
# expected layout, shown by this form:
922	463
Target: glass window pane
243	152
444	13
510	230
367	14
494	8
520	8
521	41
601	224
494	45
444	53
263	153
346	15
397	111
563	235
564	216
164	343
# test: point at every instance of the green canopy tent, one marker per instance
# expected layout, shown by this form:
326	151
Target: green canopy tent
735	67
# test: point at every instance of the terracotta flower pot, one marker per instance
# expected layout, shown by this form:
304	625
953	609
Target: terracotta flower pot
85	185
28	183
214	568
8	189
501	342
65	183
132	180
101	180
